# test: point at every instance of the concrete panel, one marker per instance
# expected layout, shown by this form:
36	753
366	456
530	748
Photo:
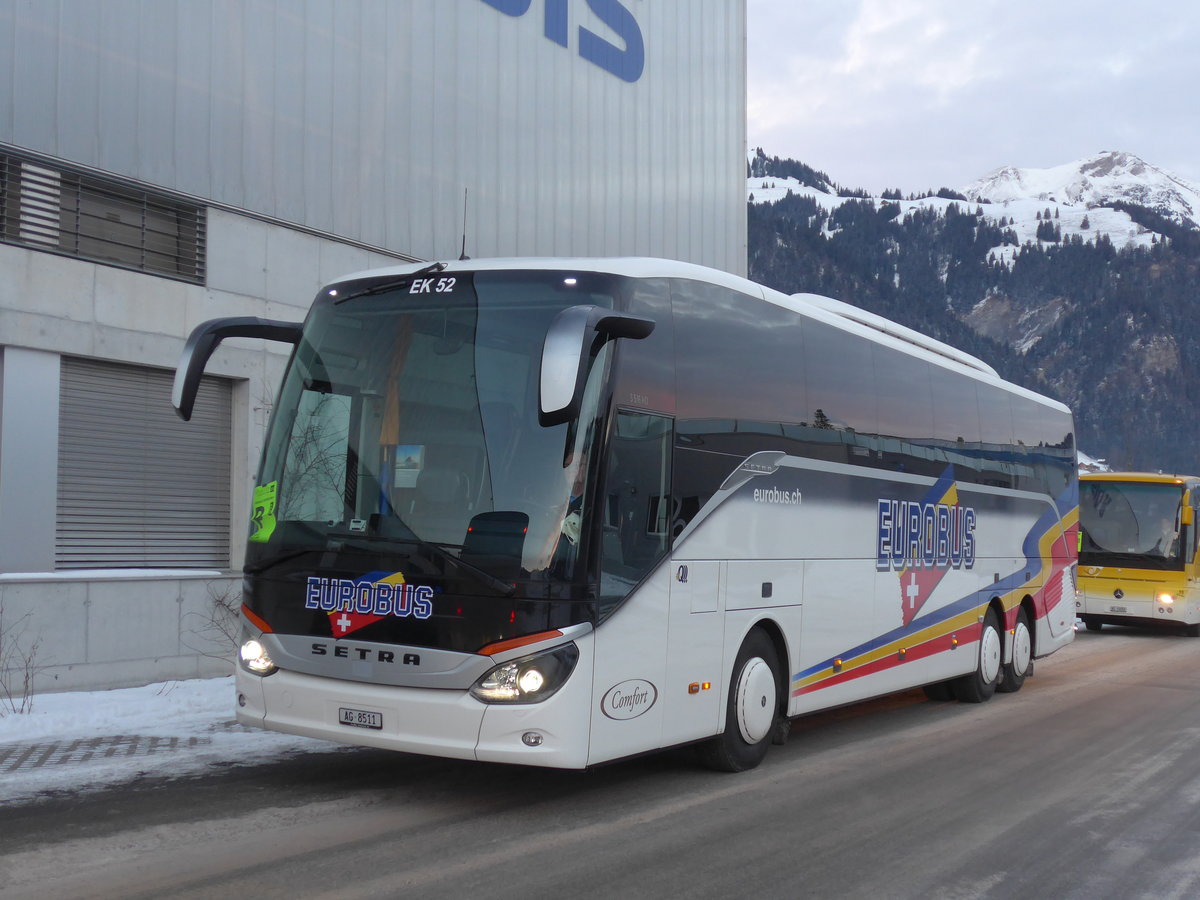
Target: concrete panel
129	620
58	287
28	459
341	259
292	266
213	304
237	254
48	616
133	673
210	623
141	347
40	332
131	300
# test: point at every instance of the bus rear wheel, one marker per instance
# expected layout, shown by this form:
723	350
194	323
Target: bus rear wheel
751	711
1013	674
979	685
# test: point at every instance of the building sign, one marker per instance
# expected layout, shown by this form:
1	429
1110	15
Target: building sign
625	62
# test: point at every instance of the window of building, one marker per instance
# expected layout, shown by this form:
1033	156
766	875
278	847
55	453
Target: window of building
58	210
137	486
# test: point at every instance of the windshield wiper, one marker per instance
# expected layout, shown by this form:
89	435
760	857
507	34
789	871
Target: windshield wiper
505	588
386	286
276	560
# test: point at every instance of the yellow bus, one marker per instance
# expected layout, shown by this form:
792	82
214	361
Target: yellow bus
1137	550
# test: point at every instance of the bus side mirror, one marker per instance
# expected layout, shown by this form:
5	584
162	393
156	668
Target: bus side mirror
574	335
1187	515
204	340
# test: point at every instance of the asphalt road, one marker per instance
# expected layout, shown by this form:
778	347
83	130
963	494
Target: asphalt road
1084	785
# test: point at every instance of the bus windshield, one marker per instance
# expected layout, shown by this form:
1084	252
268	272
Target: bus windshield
408	424
1130	524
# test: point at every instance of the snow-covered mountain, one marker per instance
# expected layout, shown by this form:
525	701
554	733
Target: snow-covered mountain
1096	181
1078	196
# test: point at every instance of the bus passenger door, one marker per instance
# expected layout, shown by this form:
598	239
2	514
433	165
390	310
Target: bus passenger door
695	635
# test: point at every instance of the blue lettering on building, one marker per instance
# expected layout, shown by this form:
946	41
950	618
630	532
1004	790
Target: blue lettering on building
627	62
913	534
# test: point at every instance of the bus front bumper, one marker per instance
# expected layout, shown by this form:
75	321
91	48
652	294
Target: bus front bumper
445	723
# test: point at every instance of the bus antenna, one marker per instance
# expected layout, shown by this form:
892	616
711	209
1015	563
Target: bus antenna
463	255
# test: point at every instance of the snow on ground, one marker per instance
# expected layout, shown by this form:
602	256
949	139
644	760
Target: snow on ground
181	728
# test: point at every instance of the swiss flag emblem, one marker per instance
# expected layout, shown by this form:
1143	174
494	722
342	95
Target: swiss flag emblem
343	622
916	585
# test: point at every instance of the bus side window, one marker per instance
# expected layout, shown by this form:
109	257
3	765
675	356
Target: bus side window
636	510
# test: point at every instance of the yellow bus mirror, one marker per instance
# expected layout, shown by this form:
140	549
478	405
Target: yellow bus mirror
1187	515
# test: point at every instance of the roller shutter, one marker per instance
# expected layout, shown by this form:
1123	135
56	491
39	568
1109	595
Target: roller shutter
138	487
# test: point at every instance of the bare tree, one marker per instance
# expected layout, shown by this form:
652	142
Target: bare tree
18	663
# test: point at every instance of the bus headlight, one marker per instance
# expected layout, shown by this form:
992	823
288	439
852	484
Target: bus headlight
530	679
1166	599
254	658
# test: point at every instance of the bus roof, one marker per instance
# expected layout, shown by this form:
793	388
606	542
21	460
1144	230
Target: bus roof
1143	477
837	313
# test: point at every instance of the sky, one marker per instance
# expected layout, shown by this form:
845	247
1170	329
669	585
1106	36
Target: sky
917	94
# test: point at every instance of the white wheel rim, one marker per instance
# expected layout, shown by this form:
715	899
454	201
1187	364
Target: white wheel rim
1022	649
755	700
989	654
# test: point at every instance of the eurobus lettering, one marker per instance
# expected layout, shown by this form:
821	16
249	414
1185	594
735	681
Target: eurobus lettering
925	535
561	512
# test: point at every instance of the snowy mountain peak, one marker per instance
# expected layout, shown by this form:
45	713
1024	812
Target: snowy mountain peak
1108	177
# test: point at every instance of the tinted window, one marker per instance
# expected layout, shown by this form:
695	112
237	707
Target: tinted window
738	357
996	434
956	420
905	407
839	375
644	375
1045	441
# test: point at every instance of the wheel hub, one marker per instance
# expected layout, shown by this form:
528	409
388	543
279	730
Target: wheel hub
755	700
1022	649
989	655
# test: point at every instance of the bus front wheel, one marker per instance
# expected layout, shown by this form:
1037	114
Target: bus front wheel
751	710
979	685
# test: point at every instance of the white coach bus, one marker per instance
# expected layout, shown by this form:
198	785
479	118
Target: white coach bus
559	512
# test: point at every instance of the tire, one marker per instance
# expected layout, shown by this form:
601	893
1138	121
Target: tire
1091	624
1013	674
940	692
752	710
979	686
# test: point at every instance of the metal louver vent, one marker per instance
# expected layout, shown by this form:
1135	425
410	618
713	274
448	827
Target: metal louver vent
79	214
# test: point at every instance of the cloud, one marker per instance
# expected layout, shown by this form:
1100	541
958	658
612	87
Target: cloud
923	93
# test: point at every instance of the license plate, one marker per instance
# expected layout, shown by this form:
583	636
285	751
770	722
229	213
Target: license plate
1120	609
360	718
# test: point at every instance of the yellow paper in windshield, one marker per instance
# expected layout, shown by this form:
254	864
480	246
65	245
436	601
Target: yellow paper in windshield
262	518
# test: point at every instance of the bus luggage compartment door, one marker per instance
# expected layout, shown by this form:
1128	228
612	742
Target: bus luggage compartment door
695	634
